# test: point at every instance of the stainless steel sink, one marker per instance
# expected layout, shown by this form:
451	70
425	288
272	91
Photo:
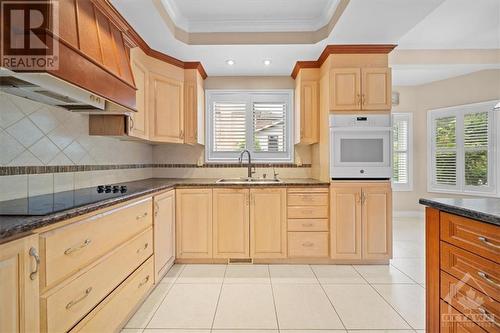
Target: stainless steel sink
248	181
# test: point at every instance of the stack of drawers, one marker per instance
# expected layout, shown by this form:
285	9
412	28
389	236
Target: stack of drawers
83	263
308	225
469	275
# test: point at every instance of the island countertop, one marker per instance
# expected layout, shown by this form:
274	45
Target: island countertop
486	210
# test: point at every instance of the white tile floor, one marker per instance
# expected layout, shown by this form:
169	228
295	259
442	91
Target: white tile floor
293	298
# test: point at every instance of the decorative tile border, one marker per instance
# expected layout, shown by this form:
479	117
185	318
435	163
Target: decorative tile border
29	170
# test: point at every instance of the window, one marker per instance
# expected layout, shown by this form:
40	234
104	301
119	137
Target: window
462	149
402	152
259	121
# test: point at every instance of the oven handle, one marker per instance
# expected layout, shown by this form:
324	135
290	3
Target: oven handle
363	129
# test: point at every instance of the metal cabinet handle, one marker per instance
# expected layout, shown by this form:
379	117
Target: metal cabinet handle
33	253
143	282
143	248
307	224
247	199
141	216
486	278
78	300
307	244
362	99
131	121
359	99
157	209
489	316
486	242
78	248
181	134
308	211
363	198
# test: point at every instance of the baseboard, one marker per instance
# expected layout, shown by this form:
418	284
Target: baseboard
408	213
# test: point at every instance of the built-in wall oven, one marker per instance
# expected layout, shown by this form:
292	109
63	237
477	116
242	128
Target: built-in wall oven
360	146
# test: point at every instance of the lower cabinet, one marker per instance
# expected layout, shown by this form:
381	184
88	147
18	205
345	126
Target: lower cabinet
361	221
231	223
164	233
19	305
193	223
268	223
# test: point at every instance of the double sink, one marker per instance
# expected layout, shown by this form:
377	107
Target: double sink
249	181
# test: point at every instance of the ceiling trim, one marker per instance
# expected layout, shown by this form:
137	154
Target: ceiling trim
445	56
250	38
342	49
133	39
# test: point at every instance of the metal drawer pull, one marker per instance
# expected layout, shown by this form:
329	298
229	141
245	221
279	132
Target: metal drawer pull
143	248
307	224
35	255
485	277
485	241
141	216
78	300
78	248
308	211
307	244
157	209
489	316
146	279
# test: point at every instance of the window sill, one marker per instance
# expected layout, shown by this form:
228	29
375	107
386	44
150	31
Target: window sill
492	194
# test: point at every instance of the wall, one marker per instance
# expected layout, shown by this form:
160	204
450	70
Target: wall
193	156
42	137
476	87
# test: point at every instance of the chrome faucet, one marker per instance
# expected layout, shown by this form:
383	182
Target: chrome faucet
251	169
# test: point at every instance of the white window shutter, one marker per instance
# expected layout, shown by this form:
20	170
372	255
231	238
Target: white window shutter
269	122
229	126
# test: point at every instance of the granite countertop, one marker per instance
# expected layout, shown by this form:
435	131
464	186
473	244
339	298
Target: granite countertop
86	200
482	209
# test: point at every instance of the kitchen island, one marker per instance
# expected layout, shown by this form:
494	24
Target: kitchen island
462	265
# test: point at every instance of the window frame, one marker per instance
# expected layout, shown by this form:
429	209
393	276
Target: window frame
409	185
459	112
249	96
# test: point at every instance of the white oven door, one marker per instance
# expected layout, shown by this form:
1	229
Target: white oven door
360	154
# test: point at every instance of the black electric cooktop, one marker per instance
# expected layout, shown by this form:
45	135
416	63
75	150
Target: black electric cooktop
59	201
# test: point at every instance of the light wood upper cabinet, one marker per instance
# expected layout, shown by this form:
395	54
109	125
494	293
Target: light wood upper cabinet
194	104
138	125
164	233
307	106
376	87
231	223
377	222
345	219
268	223
167	109
353	89
193	223
19	291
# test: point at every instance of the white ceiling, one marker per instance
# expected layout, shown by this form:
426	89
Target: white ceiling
250	15
419	24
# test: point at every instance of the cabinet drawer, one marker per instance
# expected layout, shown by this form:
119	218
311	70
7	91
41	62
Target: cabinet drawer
476	271
111	313
70	248
480	238
307	199
308	212
303	190
477	306
68	304
307	244
308	225
452	321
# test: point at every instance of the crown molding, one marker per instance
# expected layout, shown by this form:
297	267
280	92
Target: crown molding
342	49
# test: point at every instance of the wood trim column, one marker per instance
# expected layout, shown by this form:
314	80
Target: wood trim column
432	263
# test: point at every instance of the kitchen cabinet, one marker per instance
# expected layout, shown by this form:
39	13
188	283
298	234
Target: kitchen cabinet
357	89
361	221
231	223
164	233
307	106
268	235
194	107
138	125
193	223
166	97
19	296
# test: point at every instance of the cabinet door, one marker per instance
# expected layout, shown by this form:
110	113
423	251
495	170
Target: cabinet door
19	297
193	223
376	87
138	122
345	85
268	223
231	223
164	232
166	101
377	222
309	109
345	222
190	113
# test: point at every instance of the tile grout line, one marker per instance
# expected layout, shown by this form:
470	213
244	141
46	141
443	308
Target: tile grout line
409	277
218	298
328	298
386	301
274	300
